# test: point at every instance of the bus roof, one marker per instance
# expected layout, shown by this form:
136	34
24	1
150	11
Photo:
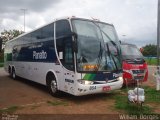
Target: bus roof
61	18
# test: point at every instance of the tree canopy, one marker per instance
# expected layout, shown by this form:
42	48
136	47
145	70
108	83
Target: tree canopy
9	34
150	50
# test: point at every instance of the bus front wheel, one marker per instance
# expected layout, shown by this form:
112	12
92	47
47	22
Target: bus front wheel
52	86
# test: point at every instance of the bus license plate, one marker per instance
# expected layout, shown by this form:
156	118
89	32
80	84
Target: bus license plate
106	88
139	74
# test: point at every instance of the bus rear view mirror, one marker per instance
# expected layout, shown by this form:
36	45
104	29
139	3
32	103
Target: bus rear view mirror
75	47
74	35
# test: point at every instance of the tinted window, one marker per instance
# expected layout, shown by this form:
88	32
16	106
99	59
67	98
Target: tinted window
43	34
48	31
27	38
62	28
64	43
35	52
68	54
36	34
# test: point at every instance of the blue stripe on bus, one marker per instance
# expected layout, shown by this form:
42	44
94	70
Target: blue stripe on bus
35	52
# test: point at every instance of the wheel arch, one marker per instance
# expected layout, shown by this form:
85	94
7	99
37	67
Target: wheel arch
9	69
51	73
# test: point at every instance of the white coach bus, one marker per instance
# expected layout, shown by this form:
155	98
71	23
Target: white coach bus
74	55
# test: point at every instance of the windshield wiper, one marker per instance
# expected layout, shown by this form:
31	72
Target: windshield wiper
109	53
99	59
113	43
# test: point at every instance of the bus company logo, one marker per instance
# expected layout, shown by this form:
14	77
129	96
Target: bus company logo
39	55
68	80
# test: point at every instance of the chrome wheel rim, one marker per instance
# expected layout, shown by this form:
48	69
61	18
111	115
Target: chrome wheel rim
53	86
13	75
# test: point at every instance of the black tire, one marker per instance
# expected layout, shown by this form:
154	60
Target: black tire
10	72
52	86
13	75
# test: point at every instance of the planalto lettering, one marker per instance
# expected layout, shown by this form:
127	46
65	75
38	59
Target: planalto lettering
39	55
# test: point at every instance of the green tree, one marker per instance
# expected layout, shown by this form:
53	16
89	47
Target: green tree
150	50
9	34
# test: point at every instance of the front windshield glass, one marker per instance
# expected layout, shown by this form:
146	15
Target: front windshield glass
130	52
98	46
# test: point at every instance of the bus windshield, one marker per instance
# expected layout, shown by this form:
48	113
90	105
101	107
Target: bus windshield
98	46
130	52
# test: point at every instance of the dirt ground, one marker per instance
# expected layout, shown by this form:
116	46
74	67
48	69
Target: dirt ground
33	98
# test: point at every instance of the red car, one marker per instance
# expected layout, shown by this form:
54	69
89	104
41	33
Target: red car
134	66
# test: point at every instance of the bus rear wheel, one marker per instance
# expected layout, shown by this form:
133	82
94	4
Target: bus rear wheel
13	75
9	71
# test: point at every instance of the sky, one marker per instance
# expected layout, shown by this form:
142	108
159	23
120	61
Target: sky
135	20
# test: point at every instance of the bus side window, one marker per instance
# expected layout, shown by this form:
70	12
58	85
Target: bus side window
64	43
68	54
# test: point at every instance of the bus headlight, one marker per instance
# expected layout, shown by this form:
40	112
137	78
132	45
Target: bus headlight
85	82
120	78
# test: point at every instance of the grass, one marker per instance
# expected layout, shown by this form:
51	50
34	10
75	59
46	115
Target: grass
151	96
151	61
122	103
11	109
56	103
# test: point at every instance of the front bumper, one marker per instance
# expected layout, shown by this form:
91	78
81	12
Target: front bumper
97	88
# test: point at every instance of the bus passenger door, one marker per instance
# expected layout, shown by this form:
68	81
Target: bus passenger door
68	63
65	53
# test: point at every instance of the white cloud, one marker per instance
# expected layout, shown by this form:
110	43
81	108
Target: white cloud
137	19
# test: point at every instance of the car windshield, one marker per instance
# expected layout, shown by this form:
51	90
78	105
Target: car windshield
98	46
130	52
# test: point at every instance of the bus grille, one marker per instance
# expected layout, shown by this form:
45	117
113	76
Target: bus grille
138	77
137	71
